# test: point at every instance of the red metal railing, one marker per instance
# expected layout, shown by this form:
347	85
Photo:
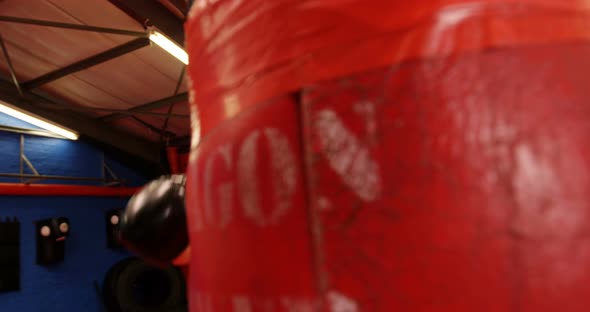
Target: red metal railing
22	189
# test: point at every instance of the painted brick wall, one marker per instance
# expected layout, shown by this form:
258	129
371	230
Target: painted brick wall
67	286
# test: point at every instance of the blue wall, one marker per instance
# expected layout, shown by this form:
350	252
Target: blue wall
60	157
67	286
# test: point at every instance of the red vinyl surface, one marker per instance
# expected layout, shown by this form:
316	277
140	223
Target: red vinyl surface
433	156
250	242
439	195
247	51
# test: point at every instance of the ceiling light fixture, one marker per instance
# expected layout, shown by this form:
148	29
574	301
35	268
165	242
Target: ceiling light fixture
169	46
37	121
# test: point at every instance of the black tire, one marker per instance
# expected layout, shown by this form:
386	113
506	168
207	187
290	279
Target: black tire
109	285
122	281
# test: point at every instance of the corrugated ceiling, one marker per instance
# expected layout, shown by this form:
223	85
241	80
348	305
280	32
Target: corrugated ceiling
139	77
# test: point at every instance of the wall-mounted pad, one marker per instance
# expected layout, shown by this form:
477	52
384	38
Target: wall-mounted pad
9	254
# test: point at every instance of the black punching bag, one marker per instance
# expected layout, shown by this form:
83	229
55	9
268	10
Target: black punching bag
154	223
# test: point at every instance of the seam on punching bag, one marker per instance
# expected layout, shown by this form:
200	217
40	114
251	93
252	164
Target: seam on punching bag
314	224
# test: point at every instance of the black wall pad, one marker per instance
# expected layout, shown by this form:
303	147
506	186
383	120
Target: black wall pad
9	254
112	221
51	235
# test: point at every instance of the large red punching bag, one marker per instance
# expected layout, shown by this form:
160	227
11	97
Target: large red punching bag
389	155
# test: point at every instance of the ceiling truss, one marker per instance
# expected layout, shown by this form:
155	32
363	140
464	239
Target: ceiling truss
86	63
22	94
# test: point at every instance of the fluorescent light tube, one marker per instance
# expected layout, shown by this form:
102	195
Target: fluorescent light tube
37	121
169	46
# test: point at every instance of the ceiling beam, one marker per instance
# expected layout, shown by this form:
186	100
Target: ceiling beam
114	31
153	13
181	97
177	7
10	67
92	128
171	106
154	129
117	111
87	63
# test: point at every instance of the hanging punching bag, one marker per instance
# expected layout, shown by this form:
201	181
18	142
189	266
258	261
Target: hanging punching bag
389	155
